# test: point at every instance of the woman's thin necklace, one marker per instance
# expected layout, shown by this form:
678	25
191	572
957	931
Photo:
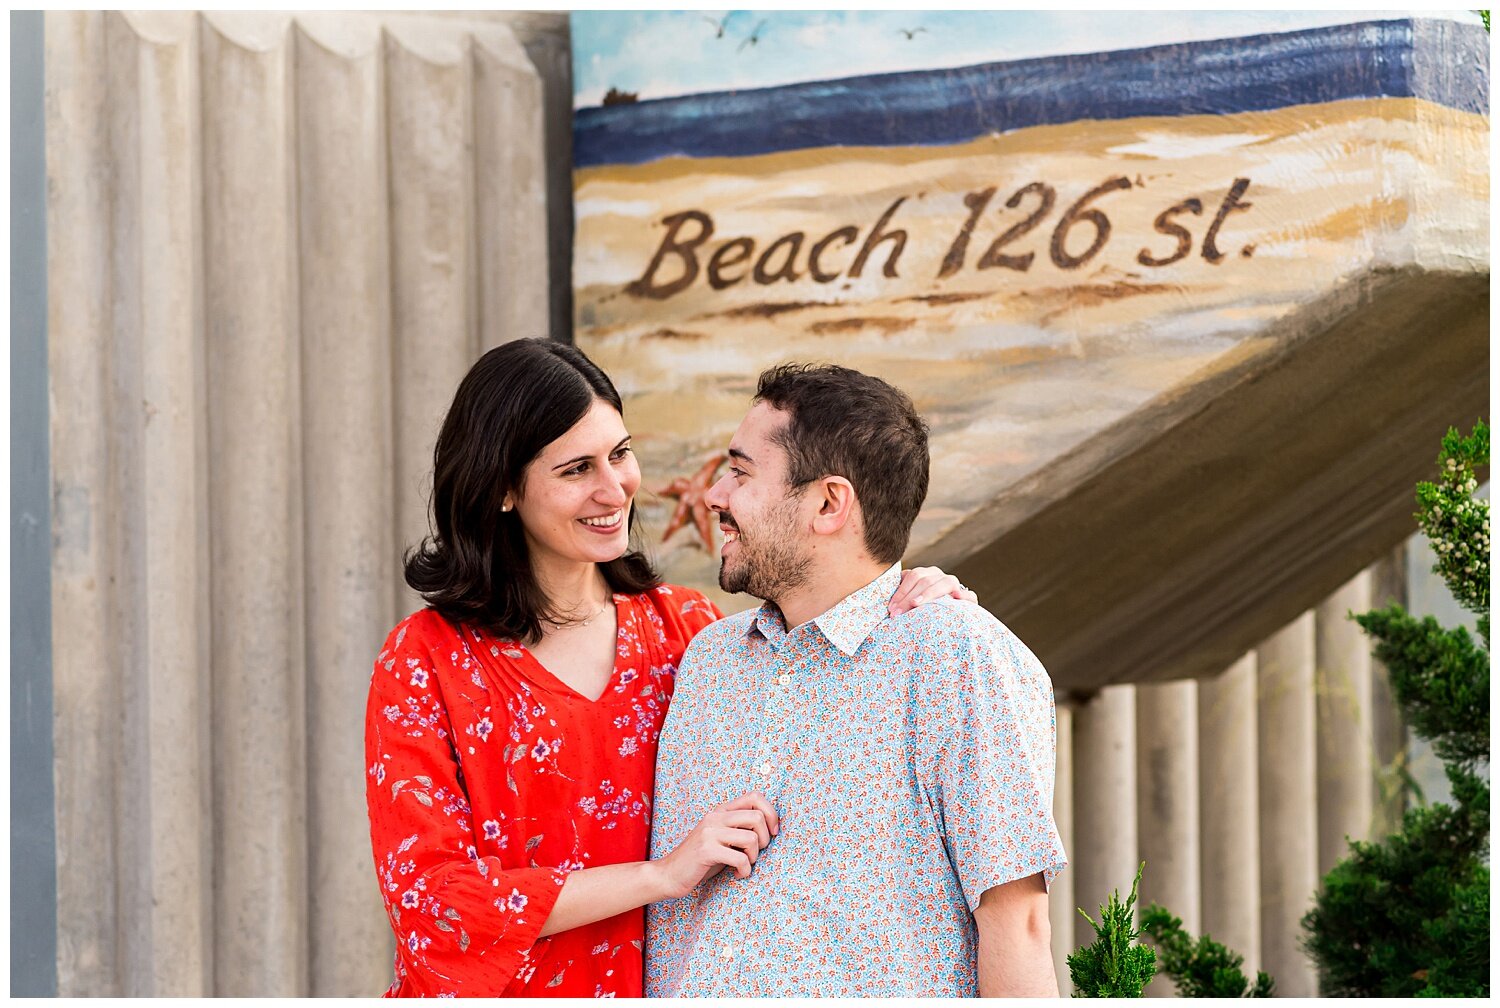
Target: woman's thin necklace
585	622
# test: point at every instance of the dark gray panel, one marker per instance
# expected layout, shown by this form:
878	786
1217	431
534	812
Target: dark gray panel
33	831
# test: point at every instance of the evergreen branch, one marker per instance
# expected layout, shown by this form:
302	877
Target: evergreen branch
1201	968
1457	522
1112	966
1440	679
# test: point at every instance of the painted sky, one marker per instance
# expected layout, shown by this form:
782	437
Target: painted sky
657	54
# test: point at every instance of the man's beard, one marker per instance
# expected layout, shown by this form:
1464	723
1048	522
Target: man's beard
772	561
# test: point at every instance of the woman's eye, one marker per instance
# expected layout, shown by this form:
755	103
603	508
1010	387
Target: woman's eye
621	453
577	470
736	472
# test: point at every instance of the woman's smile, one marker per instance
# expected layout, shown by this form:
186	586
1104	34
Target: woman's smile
605	524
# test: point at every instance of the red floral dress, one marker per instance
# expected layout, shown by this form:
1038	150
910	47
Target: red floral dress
489	780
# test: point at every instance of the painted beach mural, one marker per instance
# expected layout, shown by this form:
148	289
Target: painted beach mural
1038	225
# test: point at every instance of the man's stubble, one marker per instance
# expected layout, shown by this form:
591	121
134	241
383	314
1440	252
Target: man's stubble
772	561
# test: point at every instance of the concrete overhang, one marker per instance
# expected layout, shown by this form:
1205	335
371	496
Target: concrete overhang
1172	543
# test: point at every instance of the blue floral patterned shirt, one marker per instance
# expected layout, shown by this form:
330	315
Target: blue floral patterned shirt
911	762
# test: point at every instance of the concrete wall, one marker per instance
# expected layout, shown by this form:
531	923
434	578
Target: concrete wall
275	244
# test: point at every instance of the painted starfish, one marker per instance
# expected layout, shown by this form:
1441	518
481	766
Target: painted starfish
690	491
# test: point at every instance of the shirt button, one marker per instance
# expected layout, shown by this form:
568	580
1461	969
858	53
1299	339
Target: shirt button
784	679
764	769
726	953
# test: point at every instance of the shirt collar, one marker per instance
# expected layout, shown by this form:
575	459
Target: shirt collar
847	624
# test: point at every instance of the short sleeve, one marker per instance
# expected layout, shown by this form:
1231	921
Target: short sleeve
464	925
684	612
993	760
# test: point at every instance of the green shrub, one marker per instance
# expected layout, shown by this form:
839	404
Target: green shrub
1113	966
1409	916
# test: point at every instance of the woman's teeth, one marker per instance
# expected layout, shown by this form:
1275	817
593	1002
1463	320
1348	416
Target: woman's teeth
604	522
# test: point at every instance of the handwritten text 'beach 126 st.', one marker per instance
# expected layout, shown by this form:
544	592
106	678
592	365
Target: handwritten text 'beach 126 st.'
1078	235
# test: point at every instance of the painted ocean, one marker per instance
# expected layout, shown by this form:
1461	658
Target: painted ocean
954	105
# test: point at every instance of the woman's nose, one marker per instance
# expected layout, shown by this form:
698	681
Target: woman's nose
611	489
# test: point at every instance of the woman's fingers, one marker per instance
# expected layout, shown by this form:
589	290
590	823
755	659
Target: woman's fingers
910	581
751	838
731	848
736	832
739	862
921	585
758	801
751	819
744	840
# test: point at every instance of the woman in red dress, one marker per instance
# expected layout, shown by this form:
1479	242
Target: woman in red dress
512	725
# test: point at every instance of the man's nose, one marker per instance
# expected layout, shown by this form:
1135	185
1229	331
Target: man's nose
717	497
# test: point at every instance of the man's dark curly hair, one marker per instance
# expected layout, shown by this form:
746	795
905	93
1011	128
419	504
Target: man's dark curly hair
844	423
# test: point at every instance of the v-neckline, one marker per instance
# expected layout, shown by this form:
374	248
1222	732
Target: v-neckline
545	678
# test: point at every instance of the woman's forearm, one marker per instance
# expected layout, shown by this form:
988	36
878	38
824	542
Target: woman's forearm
728	837
594	894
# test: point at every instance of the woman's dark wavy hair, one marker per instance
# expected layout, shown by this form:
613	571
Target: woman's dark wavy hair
475	568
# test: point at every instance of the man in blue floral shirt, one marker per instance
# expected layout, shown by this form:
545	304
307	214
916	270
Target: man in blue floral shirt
910	758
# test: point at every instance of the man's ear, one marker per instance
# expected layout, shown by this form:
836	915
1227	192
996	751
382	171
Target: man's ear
836	504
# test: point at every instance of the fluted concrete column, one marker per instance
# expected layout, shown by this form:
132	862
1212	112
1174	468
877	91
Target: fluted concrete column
255	487
433	293
1166	730
510	196
1345	730
1228	809
1288	802
1387	585
86	671
346	404
1061	908
1104	803
160	453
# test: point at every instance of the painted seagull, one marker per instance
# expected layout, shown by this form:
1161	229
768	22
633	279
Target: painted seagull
753	38
719	23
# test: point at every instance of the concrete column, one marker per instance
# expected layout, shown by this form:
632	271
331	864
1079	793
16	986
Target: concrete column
511	193
1387	585
350	559
1228	807
1345	738
1104	803
86	679
1288	802
259	656
160	456
434	297
1060	905
1166	727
